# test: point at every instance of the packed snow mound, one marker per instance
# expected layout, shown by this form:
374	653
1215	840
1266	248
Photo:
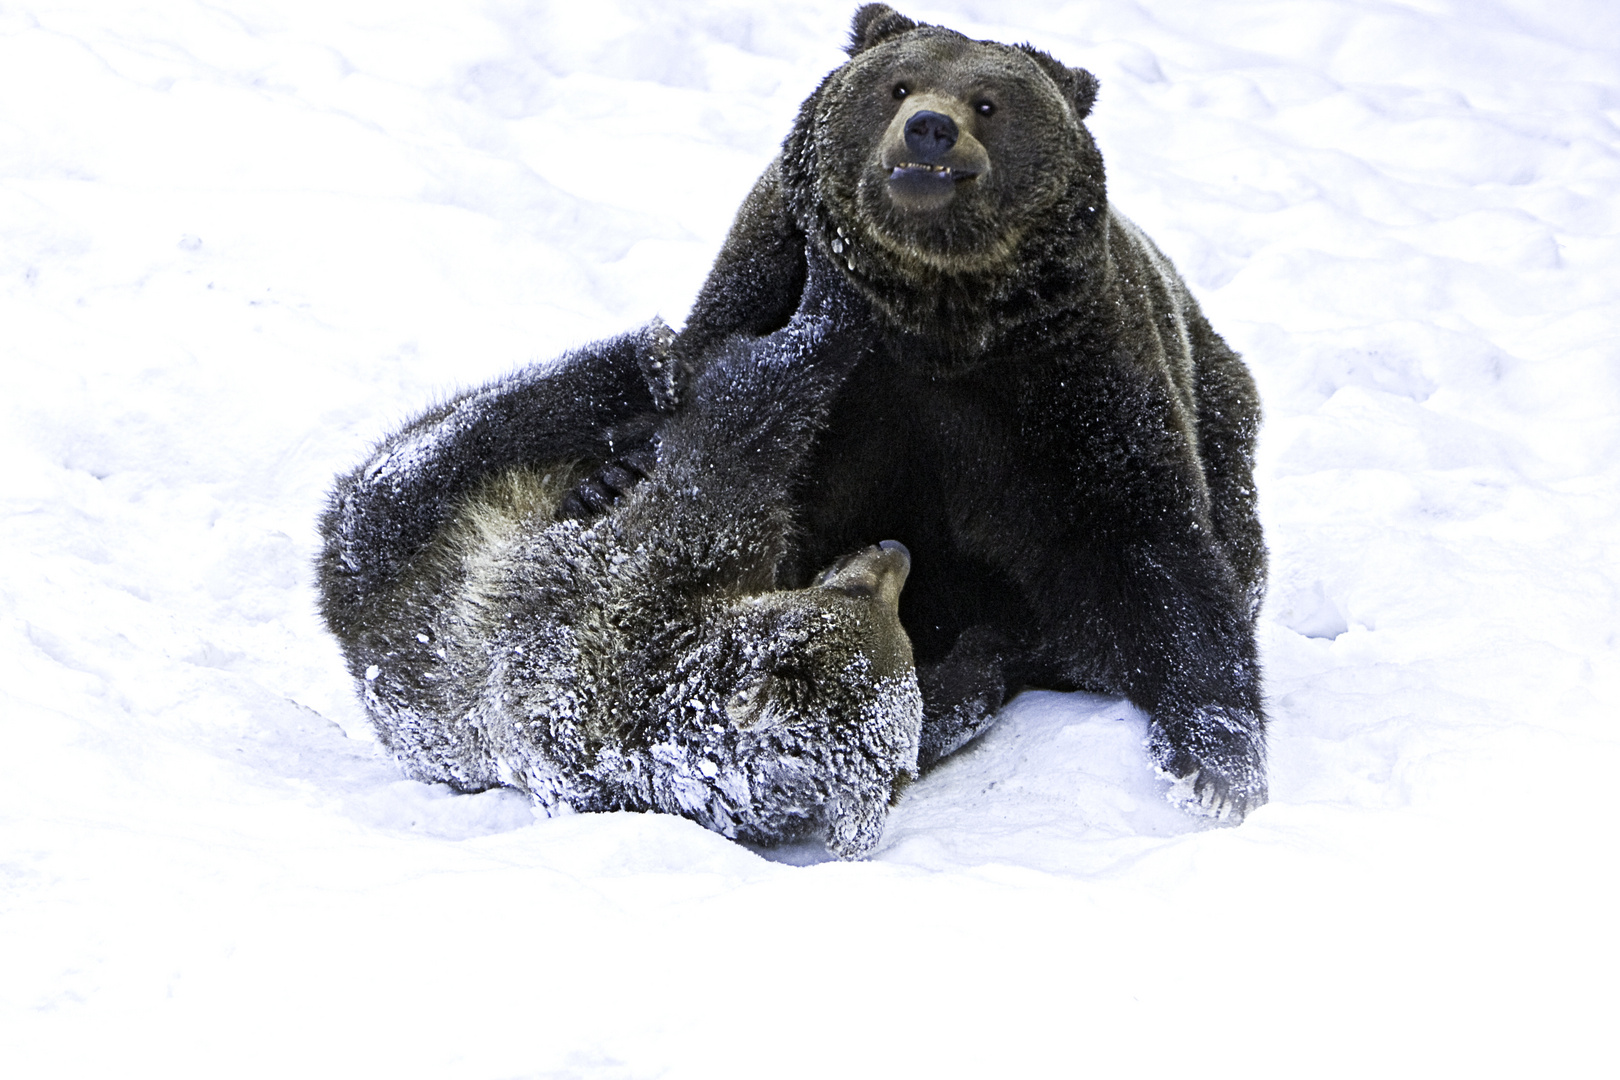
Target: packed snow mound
240	241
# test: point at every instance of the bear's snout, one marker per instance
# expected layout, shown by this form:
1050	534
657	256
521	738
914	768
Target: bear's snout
930	136
879	571
929	151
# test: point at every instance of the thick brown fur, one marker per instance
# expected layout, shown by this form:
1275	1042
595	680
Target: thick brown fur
1048	421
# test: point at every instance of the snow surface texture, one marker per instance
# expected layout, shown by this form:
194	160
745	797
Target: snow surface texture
241	240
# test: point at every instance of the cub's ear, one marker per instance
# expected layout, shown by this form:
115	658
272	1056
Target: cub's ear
872	24
1077	84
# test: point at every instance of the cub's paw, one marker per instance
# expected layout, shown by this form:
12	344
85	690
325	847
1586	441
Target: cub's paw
1215	762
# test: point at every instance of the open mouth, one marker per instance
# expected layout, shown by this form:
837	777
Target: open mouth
938	174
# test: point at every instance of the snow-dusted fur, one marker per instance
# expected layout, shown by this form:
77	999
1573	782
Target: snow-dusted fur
644	659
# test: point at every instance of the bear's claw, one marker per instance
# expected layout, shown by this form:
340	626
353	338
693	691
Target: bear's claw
1203	797
597	493
1216	768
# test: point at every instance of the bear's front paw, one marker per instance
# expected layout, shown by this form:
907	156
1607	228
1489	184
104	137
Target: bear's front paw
1215	762
1206	793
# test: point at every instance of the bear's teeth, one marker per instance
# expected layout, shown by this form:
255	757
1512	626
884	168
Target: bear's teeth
937	170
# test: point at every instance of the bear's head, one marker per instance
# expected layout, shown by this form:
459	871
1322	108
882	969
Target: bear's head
800	714
947	175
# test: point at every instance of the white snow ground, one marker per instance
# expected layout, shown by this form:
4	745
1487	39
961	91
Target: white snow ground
239	239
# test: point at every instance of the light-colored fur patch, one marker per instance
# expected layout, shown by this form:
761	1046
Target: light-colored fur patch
479	538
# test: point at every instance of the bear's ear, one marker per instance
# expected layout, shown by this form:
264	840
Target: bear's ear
1077	84
872	24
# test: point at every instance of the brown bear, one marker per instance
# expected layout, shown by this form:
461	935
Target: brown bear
1047	421
647	659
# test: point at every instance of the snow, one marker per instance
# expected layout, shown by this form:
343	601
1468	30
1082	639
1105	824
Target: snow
240	240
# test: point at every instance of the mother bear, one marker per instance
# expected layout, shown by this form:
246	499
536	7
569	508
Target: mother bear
1045	418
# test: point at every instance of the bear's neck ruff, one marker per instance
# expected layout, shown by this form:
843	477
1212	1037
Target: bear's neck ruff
956	317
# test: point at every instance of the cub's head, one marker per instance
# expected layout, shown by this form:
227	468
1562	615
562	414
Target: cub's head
805	704
943	155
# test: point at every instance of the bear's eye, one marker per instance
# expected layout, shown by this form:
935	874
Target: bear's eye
900	91
984	108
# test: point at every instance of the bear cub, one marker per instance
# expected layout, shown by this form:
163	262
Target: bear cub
649	658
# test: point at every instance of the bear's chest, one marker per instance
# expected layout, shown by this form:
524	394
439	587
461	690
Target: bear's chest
944	463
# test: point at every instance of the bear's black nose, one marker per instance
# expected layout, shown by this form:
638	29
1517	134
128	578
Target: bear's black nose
930	135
